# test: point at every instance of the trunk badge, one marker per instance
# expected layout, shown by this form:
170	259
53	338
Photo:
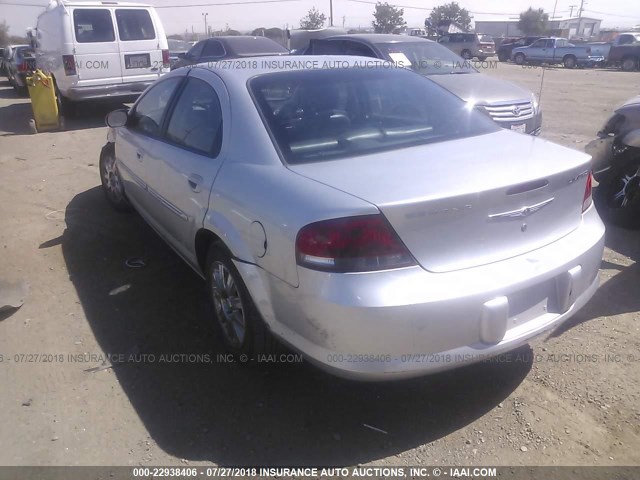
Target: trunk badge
521	212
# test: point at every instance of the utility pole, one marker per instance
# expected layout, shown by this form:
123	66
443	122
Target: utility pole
344	19
578	34
204	15
331	13
571	13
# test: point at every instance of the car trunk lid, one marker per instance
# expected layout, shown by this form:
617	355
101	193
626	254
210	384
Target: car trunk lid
464	203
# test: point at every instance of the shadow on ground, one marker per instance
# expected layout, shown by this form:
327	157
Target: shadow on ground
14	118
619	294
277	415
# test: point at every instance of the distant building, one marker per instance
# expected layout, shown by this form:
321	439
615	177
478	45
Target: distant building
584	27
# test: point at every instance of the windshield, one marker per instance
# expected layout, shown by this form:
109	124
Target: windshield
426	58
316	115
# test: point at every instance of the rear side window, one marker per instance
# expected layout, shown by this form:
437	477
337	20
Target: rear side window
196	121
93	25
213	48
149	111
135	25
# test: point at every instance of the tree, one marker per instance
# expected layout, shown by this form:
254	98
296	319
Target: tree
451	12
387	18
533	22
4	34
313	21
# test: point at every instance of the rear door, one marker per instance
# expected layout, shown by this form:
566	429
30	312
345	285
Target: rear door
96	50
190	156
140	52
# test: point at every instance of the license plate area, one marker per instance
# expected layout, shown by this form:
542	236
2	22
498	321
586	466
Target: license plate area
139	60
531	303
520	128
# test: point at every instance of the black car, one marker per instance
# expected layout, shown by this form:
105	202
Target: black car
225	47
505	49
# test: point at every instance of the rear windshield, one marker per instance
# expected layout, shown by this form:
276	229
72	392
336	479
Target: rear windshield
255	46
485	38
25	52
93	25
427	58
135	25
317	115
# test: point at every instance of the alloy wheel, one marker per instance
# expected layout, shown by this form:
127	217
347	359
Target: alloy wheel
228	305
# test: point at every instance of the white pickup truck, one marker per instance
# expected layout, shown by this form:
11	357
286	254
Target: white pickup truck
553	50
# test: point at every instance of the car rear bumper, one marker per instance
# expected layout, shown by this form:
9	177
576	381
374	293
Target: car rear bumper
410	322
118	90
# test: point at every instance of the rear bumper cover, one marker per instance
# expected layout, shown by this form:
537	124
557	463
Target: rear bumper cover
117	90
409	322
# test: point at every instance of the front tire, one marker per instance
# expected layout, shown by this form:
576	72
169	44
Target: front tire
112	185
241	327
503	57
618	195
520	58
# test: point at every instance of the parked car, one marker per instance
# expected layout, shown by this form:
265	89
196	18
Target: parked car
625	51
509	105
505	48
553	50
363	215
226	47
89	58
20	65
2	61
616	166
177	48
6	57
469	45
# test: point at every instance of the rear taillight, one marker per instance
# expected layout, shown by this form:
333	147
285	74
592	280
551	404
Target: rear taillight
352	244
588	197
165	59
69	63
23	67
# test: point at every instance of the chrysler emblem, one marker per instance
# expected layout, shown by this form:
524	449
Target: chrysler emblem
521	212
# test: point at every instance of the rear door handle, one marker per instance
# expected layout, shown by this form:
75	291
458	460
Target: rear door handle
195	182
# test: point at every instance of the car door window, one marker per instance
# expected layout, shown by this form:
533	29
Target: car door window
196	120
134	25
93	25
355	48
213	49
444	39
149	111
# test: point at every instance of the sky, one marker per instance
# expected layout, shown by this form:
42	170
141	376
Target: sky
351	13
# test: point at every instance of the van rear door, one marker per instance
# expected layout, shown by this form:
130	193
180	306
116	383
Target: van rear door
97	56
140	46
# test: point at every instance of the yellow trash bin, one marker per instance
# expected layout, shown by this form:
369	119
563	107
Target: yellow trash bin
43	101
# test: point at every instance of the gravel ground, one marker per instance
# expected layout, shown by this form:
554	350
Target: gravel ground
571	398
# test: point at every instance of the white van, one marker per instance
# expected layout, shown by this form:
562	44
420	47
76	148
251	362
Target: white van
97	50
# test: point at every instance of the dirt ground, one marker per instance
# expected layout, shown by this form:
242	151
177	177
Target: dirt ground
571	398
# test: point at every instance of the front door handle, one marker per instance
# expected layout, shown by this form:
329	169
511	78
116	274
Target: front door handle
195	182
139	155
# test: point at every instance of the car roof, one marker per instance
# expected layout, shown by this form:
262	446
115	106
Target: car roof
243	71
79	3
380	38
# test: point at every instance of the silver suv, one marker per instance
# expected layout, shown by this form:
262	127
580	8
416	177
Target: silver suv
470	45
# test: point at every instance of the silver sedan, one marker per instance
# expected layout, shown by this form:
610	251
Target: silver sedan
360	214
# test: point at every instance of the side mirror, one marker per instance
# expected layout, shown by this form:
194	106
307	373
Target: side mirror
117	118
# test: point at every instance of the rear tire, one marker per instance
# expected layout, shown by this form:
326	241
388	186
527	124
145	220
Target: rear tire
482	59
112	185
466	54
569	61
617	197
629	64
66	108
238	321
520	59
503	57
